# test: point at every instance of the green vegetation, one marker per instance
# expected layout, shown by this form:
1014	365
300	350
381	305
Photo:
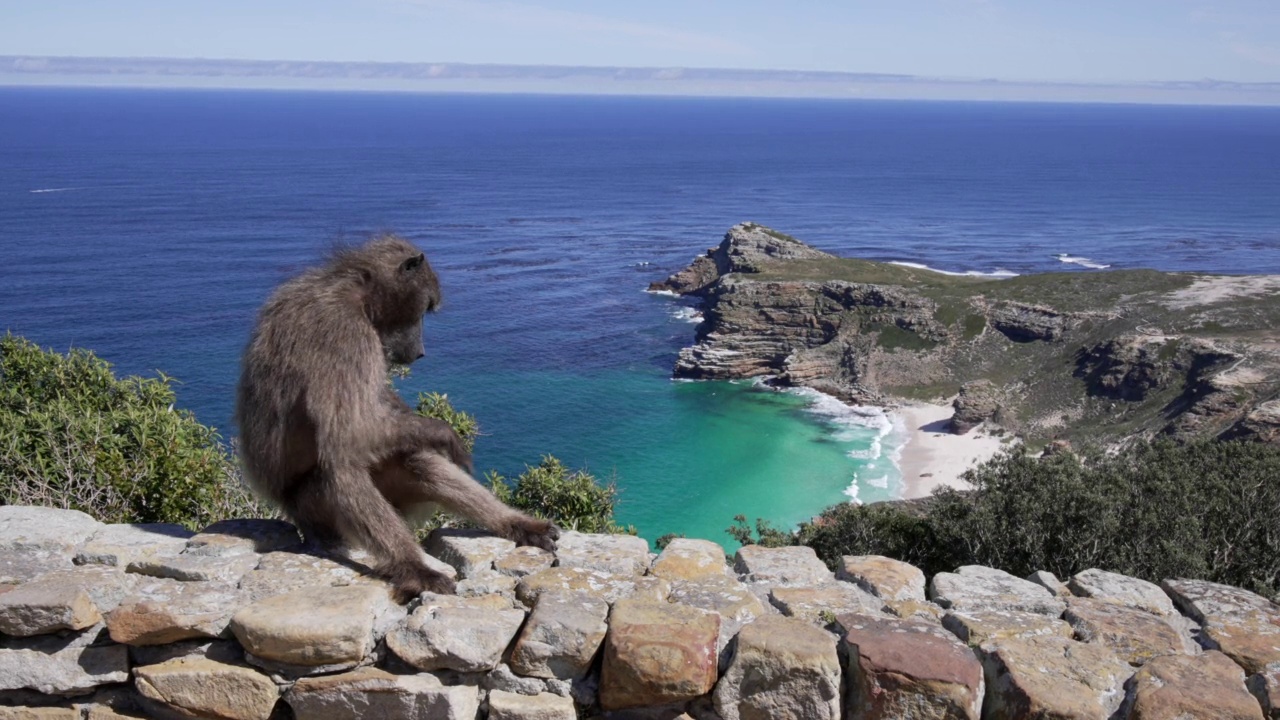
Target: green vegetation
574	500
74	436
435	405
1154	510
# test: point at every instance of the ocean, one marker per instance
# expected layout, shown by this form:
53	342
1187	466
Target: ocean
149	225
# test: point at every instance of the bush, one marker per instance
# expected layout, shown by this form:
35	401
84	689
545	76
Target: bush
1155	510
435	405
74	436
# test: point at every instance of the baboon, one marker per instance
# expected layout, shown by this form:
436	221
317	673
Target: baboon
323	434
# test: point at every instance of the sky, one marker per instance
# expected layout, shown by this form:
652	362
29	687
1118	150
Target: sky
1091	41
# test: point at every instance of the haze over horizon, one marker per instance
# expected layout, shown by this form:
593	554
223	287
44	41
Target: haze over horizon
960	47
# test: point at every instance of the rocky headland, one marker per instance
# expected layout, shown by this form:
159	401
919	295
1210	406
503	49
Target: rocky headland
1065	356
242	622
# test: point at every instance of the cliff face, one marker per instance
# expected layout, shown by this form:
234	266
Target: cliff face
1107	355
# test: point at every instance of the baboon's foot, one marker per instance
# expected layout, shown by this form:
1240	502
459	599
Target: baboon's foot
535	532
409	580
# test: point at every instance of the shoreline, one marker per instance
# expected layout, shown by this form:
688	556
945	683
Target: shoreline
930	456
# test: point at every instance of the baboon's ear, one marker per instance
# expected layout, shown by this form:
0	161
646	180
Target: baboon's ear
413	263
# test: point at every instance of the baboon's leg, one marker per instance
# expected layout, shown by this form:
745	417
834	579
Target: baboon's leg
304	504
426	477
365	518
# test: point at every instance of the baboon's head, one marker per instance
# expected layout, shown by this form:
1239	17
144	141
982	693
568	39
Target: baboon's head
399	287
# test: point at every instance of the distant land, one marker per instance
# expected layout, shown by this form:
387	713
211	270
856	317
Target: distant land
556	79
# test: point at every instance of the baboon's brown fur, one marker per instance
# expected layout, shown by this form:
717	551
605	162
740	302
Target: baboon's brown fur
323	434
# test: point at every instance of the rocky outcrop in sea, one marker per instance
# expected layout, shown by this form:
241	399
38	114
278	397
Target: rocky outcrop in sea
240	621
1065	355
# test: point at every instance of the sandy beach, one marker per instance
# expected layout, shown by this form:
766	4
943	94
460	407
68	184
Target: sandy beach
932	456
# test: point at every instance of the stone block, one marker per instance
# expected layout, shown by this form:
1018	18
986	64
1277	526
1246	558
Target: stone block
614	554
461	639
120	544
201	688
313	627
470	552
1177	687
160	611
657	653
544	706
1121	590
68	664
883	577
983	626
689	560
974	587
1052	677
372	693
796	565
245	537
782	669
1134	634
561	637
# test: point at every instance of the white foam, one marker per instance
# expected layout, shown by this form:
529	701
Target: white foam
1081	261
687	314
664	293
52	190
997	273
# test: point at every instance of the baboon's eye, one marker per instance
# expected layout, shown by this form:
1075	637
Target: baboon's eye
413	263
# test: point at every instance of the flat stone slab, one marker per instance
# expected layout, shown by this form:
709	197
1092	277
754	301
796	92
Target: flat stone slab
41	607
783	669
1134	634
657	653
883	577
470	552
543	706
609	587
372	693
196	568
561	638
820	605
160	611
983	626
734	602
245	537
1184	686
1122	590
27	527
20	566
1243	625
204	688
615	554
974	587
685	559
524	561
73	664
314	627
795	565
909	669
1050	582
39	713
1052	677
462	639
120	544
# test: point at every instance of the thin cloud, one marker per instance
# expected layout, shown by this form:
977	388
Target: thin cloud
599	28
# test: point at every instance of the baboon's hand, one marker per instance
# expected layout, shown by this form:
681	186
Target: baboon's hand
439	436
408	582
535	532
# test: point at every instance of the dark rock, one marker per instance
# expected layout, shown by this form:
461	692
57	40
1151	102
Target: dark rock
977	403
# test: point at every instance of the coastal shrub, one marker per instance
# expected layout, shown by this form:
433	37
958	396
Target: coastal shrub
72	435
574	500
436	405
1152	510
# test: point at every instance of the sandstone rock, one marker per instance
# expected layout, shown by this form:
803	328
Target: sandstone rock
1244	626
977	402
373	693
616	554
73	664
199	688
1265	687
982	626
489	583
223	651
523	561
118	545
783	669
314	627
39	713
748	248
731	600
600	585
915	610
47	605
821	604
505	679
470	552
160	611
657	653
461	639
1052	677
545	706
974	587
1050	582
279	573
561	637
883	577
797	565
909	669
25	527
1122	590
491	601
1174	687
1134	634
196	568
685	559
18	566
245	537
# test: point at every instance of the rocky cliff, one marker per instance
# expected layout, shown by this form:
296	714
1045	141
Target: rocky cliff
240	622
1103	355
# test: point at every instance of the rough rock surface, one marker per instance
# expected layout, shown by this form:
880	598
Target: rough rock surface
973	587
977	403
61	665
614	554
819	605
783	669
982	626
1052	677
119	545
470	552
316	627
691	560
1243	625
600	585
203	688
1180	686
795	566
160	611
1135	635
657	653
373	693
883	577
1122	590
560	638
462	639
544	706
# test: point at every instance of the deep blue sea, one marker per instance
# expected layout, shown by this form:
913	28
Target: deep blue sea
148	225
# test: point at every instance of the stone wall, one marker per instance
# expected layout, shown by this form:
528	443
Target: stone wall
240	622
